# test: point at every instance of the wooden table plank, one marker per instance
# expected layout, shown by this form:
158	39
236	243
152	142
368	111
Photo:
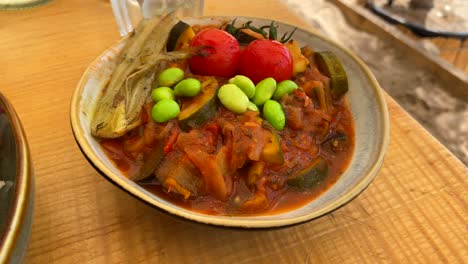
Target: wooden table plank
414	211
448	47
461	60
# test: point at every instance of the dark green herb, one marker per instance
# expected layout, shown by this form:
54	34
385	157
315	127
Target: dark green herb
285	39
245	38
273	32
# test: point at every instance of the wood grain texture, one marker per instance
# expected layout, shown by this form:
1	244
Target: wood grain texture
415	211
452	50
461	59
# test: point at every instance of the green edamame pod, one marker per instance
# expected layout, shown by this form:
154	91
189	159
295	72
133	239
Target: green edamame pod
252	107
170	76
161	93
188	87
274	114
233	98
245	84
284	87
264	91
165	110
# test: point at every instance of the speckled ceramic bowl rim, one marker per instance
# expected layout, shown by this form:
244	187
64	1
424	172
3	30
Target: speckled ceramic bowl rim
226	221
24	174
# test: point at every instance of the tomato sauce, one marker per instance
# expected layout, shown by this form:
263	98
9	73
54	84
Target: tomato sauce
281	197
311	136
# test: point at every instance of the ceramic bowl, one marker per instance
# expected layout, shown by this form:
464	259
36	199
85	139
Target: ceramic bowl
367	104
16	186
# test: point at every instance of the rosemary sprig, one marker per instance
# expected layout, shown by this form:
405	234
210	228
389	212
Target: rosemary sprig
285	39
272	31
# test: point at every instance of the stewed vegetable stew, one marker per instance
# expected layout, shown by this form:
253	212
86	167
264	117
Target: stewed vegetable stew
235	120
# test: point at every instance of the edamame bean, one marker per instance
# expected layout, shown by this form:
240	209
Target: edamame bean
165	110
284	87
274	114
233	98
188	87
161	93
264	91
245	84
170	76
252	107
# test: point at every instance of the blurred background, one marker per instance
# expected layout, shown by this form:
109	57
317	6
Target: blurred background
426	75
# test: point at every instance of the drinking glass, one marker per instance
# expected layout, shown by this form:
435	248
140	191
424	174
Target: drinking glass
129	12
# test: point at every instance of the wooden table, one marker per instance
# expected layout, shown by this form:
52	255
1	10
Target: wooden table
414	211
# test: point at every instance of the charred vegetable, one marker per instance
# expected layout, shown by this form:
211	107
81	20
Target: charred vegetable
310	176
118	110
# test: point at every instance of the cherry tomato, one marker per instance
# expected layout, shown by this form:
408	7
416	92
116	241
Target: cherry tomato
265	58
217	53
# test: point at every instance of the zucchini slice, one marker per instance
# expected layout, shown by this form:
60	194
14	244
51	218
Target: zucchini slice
330	65
310	176
272	151
180	36
197	110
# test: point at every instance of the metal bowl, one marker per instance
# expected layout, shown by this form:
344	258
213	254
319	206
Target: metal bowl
16	186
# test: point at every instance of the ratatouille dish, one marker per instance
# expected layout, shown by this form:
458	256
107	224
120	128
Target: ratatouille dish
229	119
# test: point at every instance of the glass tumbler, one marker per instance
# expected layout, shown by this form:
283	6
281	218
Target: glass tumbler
129	12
